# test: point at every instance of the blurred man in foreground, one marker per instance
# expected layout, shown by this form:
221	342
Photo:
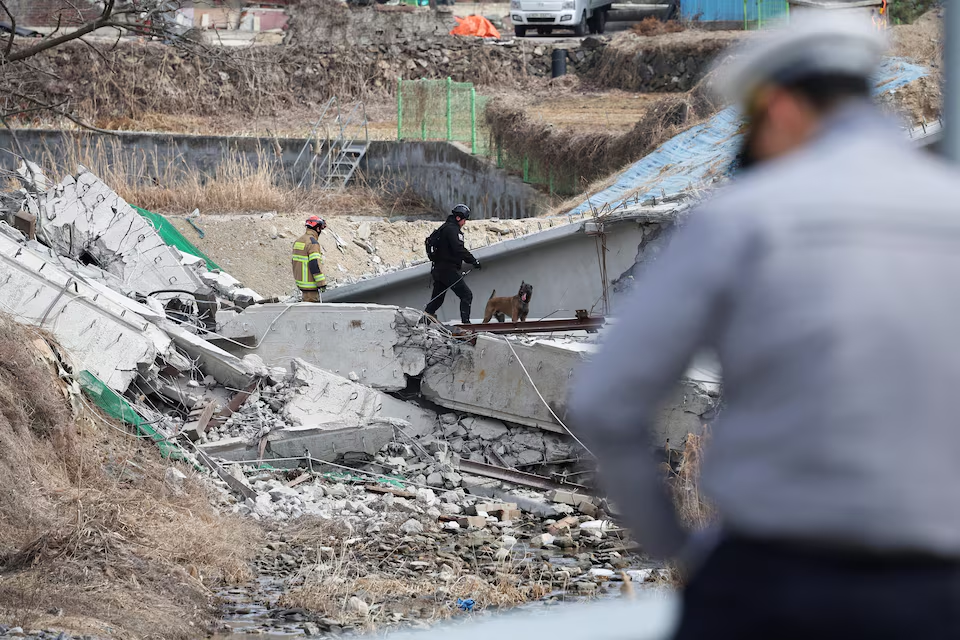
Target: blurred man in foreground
826	278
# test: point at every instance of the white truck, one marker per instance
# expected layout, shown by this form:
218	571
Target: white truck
547	15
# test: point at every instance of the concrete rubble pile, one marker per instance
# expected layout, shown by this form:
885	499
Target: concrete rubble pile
435	432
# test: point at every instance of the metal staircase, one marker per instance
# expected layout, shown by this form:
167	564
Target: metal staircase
336	154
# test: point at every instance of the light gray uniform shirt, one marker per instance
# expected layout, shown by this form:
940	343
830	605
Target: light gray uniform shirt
828	282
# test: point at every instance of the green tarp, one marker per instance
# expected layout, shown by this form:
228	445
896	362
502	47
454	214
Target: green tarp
173	237
116	407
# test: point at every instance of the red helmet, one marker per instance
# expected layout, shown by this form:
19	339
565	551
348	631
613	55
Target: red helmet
317	223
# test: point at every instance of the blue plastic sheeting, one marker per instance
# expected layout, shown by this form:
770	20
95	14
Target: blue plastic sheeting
734	10
703	153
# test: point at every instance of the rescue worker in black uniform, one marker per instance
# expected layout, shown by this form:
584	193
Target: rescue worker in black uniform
450	256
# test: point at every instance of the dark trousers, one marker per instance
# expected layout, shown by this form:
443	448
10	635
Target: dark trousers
778	591
450	279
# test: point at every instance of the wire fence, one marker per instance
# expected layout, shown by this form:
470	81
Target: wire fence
452	111
440	110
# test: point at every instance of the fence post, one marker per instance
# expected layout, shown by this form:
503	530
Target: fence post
526	169
449	111
399	109
473	120
744	15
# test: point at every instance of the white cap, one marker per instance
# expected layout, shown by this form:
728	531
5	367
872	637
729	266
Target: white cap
814	42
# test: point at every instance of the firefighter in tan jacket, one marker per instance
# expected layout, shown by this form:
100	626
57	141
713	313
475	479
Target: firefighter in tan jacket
307	259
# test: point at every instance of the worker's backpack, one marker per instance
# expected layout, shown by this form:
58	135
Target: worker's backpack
432	245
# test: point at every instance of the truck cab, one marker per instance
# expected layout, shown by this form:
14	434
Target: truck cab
545	16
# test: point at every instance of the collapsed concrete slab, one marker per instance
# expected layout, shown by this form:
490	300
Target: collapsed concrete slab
324	398
101	336
84	219
487	380
378	345
329	444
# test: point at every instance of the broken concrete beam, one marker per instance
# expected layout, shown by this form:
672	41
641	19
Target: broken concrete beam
225	367
370	342
487	488
324	398
571	498
327	445
102	337
83	217
486	380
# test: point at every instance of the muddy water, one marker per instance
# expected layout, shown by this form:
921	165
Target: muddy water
251	610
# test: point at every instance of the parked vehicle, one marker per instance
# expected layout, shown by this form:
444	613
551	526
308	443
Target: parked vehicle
547	15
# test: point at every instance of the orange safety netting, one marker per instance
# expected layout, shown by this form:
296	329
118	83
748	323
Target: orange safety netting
475	26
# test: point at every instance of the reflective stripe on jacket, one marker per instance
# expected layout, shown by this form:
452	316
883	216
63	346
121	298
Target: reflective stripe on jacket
305	250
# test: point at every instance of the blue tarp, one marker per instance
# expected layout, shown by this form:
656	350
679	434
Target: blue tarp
702	153
734	10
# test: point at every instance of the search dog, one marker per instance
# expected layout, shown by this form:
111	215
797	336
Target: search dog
517	306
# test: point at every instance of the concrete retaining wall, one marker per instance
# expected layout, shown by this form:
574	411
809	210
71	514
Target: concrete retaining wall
445	175
439	172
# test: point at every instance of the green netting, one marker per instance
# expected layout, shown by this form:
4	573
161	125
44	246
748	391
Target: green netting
529	169
173	237
116	407
448	110
760	14
439	110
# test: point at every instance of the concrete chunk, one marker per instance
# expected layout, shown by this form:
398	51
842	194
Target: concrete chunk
82	216
101	336
337	337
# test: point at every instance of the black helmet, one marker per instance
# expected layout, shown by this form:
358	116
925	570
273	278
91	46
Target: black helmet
461	211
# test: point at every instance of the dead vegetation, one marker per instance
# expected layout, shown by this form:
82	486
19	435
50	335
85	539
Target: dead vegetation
580	158
651	26
236	185
93	537
692	506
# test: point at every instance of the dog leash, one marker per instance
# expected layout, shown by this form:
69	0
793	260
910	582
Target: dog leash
462	276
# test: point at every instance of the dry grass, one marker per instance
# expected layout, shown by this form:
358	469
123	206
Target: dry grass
237	185
88	525
652	26
581	157
692	506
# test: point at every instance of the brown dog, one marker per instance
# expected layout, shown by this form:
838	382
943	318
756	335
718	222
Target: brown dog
517	306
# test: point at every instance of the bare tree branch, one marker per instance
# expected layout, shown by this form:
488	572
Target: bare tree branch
66	114
93	25
13	29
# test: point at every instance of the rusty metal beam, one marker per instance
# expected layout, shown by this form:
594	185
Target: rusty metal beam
583	323
514	476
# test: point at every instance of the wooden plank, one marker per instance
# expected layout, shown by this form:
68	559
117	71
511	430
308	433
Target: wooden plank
303	477
379	488
232	481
